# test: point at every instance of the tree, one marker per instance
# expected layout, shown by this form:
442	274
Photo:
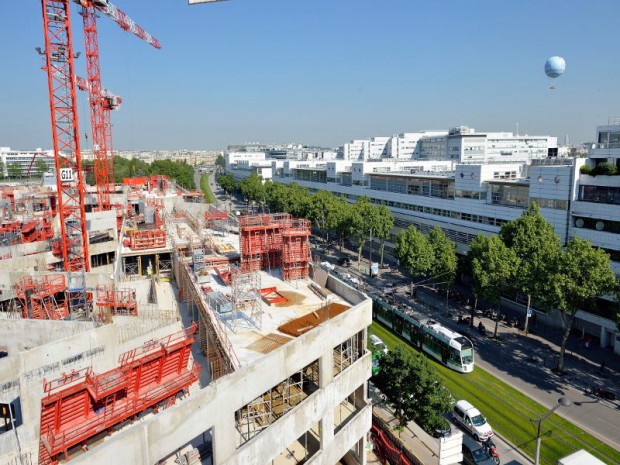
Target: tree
580	274
414	252
536	246
444	257
277	196
2	168
40	167
323	213
252	188
14	170
344	225
219	161
384	222
298	201
362	222
227	183
413	389
493	268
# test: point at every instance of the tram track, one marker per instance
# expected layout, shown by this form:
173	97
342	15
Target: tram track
506	407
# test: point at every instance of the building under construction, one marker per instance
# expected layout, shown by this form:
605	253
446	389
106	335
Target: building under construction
202	337
142	326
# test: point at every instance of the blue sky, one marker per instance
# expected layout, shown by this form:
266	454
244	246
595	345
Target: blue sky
326	71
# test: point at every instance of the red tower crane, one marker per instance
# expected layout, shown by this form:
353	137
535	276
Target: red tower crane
59	64
100	104
67	156
109	102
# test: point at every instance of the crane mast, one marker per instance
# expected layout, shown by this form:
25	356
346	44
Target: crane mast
100	138
59	64
100	106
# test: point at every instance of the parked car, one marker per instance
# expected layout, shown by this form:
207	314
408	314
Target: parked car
327	266
472	420
443	431
377	344
475	453
344	261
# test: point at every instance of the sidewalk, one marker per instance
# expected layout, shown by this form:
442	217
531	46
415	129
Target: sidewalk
581	365
419	443
527	363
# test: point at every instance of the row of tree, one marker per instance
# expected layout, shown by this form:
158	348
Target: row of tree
180	171
15	170
526	257
330	214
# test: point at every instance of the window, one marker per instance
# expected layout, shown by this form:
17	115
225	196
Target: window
600	194
509	195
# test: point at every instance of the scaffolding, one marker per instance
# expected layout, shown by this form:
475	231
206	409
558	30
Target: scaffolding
43	297
147	239
274	240
216	219
296	250
116	302
260	240
260	413
246	298
214	341
79	405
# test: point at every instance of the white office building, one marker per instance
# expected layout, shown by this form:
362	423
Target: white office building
24	159
469	183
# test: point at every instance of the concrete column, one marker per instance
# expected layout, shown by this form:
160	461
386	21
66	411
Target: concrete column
327	430
224	437
326	368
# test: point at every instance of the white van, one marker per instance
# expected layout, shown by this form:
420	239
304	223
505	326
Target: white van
472	420
378	344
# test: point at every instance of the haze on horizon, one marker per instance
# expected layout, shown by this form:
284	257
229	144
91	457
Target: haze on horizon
324	72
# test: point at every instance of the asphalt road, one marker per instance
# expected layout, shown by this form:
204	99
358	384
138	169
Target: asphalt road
513	365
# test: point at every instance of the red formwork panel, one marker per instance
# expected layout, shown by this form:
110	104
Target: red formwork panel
82	404
273	240
120	302
296	250
147	239
44	295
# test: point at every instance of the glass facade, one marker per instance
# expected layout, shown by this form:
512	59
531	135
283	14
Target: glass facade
599	194
609	139
551	203
471	195
347	179
440	188
510	195
311	175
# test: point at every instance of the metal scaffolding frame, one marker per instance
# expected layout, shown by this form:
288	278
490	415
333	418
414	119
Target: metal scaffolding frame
348	352
260	413
246	298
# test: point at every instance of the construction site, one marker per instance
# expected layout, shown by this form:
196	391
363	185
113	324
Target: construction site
139	324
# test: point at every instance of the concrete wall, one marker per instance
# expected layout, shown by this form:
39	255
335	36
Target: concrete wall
214	406
21	335
22	375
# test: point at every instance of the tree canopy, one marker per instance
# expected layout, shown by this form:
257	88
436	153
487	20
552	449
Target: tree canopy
180	171
493	267
444	258
414	252
413	389
580	274
536	246
40	167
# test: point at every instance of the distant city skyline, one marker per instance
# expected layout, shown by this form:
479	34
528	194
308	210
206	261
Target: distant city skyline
323	73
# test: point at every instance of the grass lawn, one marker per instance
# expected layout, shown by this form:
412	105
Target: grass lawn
509	412
206	190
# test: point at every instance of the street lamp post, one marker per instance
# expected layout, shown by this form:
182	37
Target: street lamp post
562	402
